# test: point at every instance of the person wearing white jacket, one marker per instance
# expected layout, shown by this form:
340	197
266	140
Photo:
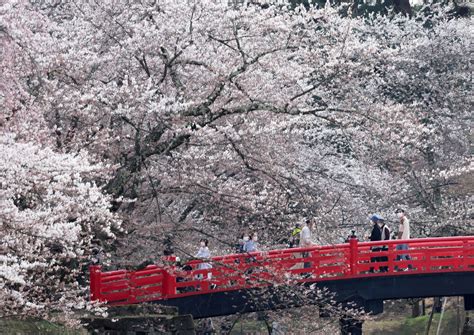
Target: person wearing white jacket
306	241
204	253
403	234
305	234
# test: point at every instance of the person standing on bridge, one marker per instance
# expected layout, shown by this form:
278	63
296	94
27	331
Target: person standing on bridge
295	237
385	236
239	247
305	234
251	244
376	235
403	234
204	253
305	240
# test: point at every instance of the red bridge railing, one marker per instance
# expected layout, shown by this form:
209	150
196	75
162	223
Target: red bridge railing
287	267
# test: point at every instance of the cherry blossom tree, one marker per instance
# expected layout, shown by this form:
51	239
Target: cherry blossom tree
52	215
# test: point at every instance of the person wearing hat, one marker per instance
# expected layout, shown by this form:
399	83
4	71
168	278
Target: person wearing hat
376	235
403	234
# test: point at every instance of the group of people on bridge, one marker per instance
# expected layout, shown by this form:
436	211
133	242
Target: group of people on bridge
301	237
381	232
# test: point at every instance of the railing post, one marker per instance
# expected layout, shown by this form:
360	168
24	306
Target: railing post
94	276
391	260
353	251
131	285
205	284
169	283
315	257
465	246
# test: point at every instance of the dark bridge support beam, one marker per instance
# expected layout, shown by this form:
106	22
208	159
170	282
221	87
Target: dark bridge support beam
469	302
350	326
373	307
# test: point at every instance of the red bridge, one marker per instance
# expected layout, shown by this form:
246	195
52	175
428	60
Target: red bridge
241	283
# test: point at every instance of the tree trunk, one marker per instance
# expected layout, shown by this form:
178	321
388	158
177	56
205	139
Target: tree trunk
415	309
428	325
400	6
436	304
403	6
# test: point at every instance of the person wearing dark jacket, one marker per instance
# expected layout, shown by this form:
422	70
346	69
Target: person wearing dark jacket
376	235
385	236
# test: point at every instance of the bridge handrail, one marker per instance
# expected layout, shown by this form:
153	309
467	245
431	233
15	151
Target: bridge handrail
421	240
237	271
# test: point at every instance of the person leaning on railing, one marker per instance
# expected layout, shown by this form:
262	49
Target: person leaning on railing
251	244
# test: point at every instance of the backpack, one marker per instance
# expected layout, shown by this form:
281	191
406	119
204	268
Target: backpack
385	233
295	238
